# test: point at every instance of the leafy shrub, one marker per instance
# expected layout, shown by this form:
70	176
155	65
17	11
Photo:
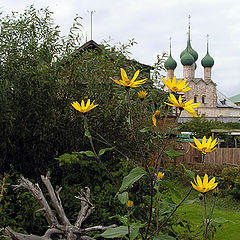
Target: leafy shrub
235	190
231	181
18	210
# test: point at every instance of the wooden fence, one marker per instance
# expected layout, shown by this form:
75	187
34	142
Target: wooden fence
229	156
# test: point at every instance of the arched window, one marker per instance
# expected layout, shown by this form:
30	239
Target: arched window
203	98
195	99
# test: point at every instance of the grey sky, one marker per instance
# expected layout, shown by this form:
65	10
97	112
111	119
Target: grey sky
152	22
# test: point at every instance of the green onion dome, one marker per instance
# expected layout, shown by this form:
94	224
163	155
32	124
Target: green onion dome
195	66
190	50
187	59
170	63
207	61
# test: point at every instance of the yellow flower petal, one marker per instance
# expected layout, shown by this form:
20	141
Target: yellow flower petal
135	75
187	106
204	186
82	108
123	74
205	146
126	82
205	179
176	85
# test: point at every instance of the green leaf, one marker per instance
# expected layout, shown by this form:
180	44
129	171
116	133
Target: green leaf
188	172
123	197
67	158
134	230
164	237
169	185
87	133
87	153
122	219
131	178
186	202
115	232
102	151
146	129
220	220
173	154
128	120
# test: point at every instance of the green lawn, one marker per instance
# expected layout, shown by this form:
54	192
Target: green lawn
226	208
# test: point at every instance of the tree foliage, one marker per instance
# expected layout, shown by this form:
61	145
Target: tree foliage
41	73
202	127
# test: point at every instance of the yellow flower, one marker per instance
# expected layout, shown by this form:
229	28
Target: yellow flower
126	82
154	119
188	106
160	175
176	86
204	186
129	203
142	94
84	108
205	146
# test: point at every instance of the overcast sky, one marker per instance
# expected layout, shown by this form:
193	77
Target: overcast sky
152	22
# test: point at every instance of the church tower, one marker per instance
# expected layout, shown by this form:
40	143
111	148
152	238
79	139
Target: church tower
207	62
170	64
188	59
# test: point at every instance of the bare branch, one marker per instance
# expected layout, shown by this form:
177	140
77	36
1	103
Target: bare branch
98	228
41	210
86	238
20	236
51	231
86	207
37	193
65	230
57	204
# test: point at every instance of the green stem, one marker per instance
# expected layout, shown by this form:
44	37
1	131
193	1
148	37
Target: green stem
201	200
211	213
128	223
206	220
133	132
95	153
150	209
154	178
170	215
160	155
129	109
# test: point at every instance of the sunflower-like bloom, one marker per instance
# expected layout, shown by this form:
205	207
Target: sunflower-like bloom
160	175
176	86
142	94
154	119
205	146
188	106
129	203
204	186
84	108
126	82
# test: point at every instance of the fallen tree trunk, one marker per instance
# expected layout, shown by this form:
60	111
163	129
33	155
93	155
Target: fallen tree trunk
64	229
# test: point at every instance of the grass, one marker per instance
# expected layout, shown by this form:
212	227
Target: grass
226	207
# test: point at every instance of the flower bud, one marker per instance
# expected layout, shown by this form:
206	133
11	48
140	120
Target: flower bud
160	175
200	196
129	203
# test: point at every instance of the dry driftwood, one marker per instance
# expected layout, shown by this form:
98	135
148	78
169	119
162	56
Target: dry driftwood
64	229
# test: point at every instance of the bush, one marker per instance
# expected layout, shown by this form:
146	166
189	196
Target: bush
231	181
